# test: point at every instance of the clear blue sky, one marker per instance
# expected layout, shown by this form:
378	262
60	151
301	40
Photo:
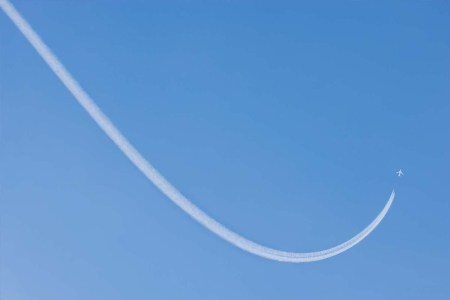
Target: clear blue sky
284	121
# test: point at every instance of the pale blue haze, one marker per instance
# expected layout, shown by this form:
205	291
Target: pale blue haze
286	122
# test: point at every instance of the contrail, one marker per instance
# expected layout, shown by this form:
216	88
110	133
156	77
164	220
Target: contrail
156	178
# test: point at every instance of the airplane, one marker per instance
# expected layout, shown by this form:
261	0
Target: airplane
399	172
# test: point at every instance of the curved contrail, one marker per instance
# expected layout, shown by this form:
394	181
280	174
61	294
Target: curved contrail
156	178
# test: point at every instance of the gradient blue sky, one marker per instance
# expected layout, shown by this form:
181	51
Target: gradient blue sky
284	121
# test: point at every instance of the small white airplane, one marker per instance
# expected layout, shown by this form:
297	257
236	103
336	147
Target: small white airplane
400	173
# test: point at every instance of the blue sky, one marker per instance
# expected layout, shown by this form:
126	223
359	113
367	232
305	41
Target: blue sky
284	121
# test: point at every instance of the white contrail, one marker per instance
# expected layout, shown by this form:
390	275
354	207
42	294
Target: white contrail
156	178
